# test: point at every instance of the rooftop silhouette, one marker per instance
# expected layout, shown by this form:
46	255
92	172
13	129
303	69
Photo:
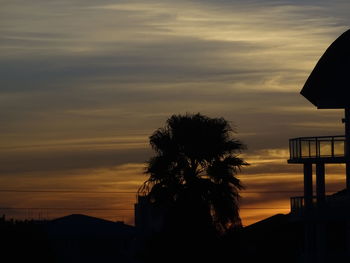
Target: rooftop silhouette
328	84
325	218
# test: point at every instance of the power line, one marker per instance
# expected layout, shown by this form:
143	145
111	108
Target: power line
270	192
66	191
121	192
108	209
66	208
267	208
130	192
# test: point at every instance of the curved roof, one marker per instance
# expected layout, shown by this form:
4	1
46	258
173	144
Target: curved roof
328	86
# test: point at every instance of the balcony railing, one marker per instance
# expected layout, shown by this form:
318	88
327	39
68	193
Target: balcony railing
297	203
329	148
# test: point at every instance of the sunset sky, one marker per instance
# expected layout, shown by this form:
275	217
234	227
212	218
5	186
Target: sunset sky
84	83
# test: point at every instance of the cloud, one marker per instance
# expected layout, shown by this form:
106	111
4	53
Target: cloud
55	159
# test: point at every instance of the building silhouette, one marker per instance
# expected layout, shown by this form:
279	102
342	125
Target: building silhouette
81	238
326	219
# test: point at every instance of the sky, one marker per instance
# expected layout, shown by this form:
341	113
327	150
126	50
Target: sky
84	83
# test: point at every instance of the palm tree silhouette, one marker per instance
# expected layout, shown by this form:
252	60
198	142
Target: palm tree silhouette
193	174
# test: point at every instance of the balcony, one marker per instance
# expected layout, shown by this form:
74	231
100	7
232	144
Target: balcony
326	149
297	204
298	208
337	203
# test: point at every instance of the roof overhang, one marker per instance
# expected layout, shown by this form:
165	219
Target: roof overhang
328	86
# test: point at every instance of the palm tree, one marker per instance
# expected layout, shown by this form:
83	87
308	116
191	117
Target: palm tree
193	173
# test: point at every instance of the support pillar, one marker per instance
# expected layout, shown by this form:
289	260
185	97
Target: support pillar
321	239
321	242
308	185
348	241
320	184
309	232
347	146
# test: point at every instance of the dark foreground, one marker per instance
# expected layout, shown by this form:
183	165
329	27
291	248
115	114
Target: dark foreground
79	238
